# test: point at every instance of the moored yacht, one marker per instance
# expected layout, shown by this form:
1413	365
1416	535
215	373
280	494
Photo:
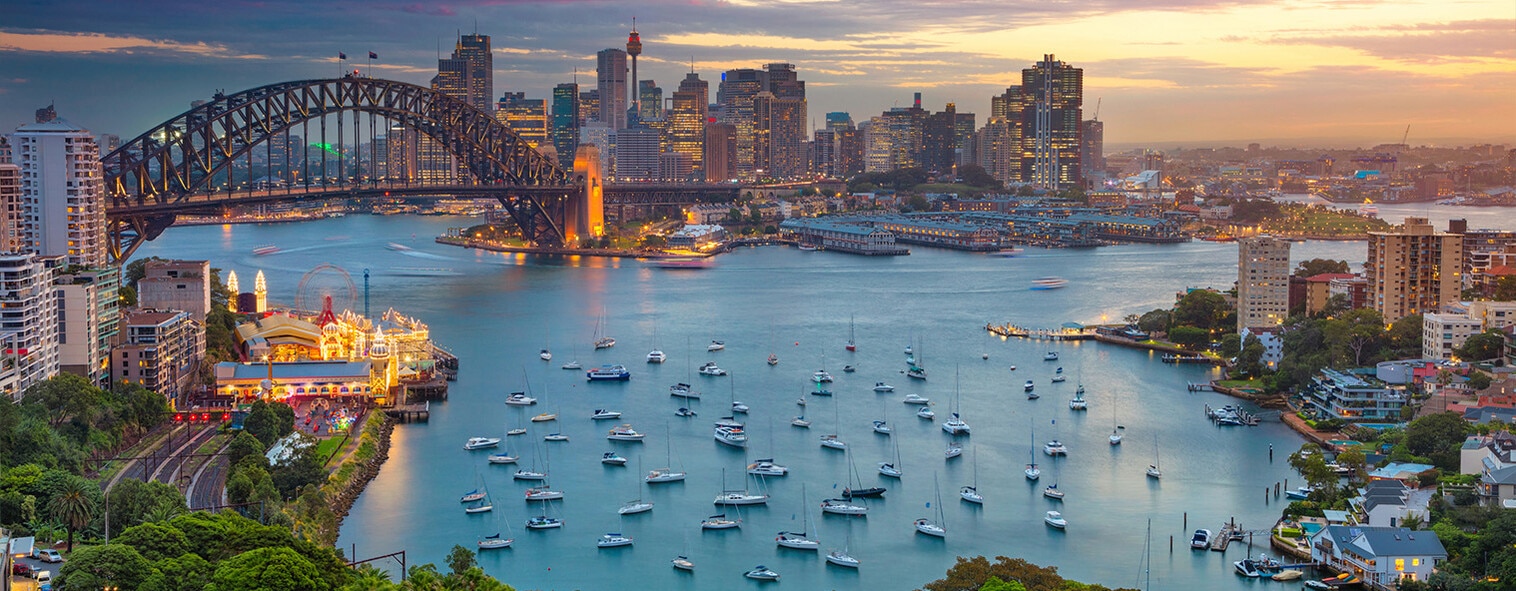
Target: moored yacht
883	387
656	356
843	507
1056	520
1055	448
612	459
767	467
624	432
613	540
520	399
710	369
733	436
602	414
474	443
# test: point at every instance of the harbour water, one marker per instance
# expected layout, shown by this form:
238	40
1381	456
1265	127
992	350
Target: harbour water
496	311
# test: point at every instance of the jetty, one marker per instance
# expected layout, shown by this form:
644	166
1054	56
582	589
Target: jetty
411	413
1066	333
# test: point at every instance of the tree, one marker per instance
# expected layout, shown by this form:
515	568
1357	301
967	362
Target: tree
974	175
734	216
460	559
269	422
1315	267
1230	344
155	541
101	567
73	505
136	270
131	501
654	241
1505	289
995	584
1190	337
1437	437
243	445
1154	321
1482	346
267	569
1311	465
1353	458
1479	380
1404	336
188	572
972	573
916	203
1200	308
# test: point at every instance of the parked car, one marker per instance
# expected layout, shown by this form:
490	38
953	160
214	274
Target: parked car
21	569
47	555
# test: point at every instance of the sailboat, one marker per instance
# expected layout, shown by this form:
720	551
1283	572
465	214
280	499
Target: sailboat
1052	491
636	505
851	343
1032	472
532	473
483	505
955	425
971	493
892	469
666	473
913	369
766	466
842	557
573	364
738	497
602	341
1153	471
833	440
545	491
545	520
855	483
656	355
773	359
1115	437
799	540
496	541
932	527
882	426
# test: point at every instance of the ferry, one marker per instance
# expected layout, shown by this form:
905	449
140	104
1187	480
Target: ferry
1006	252
1046	283
609	372
267	249
396	246
684	263
1368	209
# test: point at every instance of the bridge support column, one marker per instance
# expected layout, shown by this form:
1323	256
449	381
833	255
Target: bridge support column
585	210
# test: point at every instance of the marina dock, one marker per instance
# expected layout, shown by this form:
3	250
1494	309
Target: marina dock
411	413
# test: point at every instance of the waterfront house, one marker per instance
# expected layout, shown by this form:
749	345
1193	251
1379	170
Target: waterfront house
1406	472
1354	398
1387	503
1381	556
1497	487
1481	453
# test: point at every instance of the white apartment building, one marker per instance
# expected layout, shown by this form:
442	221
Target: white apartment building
62	192
28	323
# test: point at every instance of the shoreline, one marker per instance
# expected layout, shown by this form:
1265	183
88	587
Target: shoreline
593	252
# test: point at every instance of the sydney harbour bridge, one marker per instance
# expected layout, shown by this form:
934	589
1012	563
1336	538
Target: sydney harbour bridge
190	163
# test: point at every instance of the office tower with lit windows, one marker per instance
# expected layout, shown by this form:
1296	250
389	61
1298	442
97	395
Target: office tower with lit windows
1092	152
1263	283
610	80
720	152
939	141
479	66
839	120
735	93
779	136
589	106
527	117
849	153
565	122
649	101
604	139
686	120
1413	269
824	152
1052	120
637	154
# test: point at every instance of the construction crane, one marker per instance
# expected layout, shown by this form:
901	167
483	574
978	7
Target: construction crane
1097	112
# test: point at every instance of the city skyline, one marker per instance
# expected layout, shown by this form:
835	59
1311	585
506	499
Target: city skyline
1166	72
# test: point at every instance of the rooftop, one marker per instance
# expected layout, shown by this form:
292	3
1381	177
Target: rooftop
350	370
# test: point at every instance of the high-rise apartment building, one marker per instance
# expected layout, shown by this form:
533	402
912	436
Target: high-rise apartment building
1055	92
720	152
1263	282
939	141
176	285
1413	269
89	318
687	118
998	151
12	213
28	323
161	350
527	117
779	136
849	152
565	127
62	192
1092	152
736	92
610	79
824	152
479	66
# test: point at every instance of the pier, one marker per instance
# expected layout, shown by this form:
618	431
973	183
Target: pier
411	413
1048	334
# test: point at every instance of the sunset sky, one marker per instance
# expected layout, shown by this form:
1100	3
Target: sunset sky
1170	72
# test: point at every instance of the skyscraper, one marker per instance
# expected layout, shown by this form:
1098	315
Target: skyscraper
1263	283
637	154
849	152
997	151
610	78
527	117
1413	269
939	141
589	106
649	101
29	312
479	62
565	128
720	152
781	120
735	93
839	120
686	120
824	152
1092	152
62	192
1056	93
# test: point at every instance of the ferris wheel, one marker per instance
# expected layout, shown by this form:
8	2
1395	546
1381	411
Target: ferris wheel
326	281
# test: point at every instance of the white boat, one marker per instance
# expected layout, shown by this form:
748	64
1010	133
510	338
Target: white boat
710	369
517	431
545	355
601	340
572	365
684	411
471	496
801	422
931	527
634	507
543	493
545	417
683	563
612	459
953	450
1032	471
605	343
848	369
1045	283
555	437
832	442
1050	356
608	372
480	507
916	371
719	521
474	443
821	376
613	540
843	507
1201	540
602	414
1029	386
955	426
908	350
520	399
1056	520
657	475
773	359
970	493
925	412
883	387
682	390
739	407
882	428
1052	492
799	540
1058	379
841	558
1115	437
656	356
715	346
892	469
504	458
916	399
494	542
544	522
1153	471
1005	252
740	497
1079	403
1247	568
1013	367
733	436
1055	448
524	474
760	572
767	467
624	432
265	250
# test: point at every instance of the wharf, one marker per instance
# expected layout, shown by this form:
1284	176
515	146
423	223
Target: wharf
1060	334
411	413
1175	358
1220	542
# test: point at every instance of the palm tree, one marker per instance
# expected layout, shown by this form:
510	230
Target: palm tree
73	506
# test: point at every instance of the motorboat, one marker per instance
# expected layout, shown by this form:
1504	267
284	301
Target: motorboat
494	542
1030	395
848	369
684	412
1052	492
800	421
882	428
504	458
715	346
1032	472
925	412
572	365
683	563
971	494
1050	356
916	399
1289	574
760	572
517	431
883	387
843	507
1054	448
664	475
889	469
870	492
841	558
1013	368
474	443
1006	252
796	541
728	421
1299	494
1247	568
544	522
832	442
265	250
800	401
613	540
953	450
718	521
604	343
916	372
624	432
740	497
955	426
611	458
1059	379
634	507
555	437
545	417
525	474
1154	472
656	356
821	391
682	390
767	467
909	350
543	493
821	376
471	496
710	369
608	372
733	436
520	399
739	407
684	263
1055	519
1201	540
1059	370
602	414
545	355
1028	386
1079	403
1046	283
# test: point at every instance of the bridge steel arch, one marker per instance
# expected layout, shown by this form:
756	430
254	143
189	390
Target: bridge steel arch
162	172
